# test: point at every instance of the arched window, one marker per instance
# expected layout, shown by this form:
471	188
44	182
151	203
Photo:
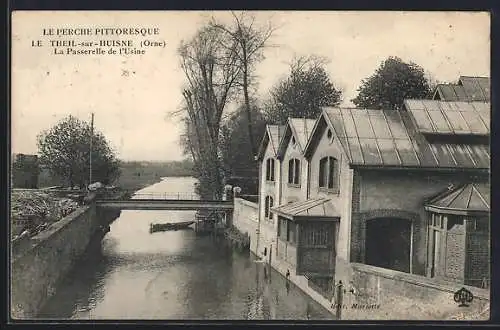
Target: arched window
270	169
328	173
294	171
267	209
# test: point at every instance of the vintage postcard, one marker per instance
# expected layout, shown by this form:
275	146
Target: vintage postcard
257	165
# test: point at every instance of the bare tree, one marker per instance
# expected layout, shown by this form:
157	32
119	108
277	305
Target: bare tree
211	72
248	41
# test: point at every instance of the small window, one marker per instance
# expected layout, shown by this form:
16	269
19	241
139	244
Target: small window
267	208
270	169
293	140
454	220
328	173
294	171
329	134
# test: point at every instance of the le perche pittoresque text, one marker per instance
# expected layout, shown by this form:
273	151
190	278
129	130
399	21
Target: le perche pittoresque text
81	41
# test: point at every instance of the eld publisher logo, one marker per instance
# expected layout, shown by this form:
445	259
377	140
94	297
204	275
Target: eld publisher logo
464	297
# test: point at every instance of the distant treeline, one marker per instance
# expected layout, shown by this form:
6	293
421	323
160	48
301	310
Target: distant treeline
134	174
138	174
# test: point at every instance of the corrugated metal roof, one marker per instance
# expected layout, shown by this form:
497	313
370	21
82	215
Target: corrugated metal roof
318	207
467	89
440	117
468	197
380	138
476	88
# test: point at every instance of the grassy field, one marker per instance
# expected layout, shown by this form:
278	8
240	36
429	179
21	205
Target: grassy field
135	174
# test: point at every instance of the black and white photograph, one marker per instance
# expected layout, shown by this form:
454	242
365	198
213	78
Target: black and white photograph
250	165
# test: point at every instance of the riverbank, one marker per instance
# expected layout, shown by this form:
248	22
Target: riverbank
38	266
136	175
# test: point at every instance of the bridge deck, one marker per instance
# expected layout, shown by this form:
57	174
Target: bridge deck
165	204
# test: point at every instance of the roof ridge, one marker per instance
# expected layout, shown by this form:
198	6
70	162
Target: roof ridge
470	196
459	191
465	76
480	196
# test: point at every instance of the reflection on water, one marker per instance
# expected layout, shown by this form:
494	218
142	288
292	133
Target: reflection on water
133	274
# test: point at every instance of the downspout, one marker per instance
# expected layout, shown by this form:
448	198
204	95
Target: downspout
308	176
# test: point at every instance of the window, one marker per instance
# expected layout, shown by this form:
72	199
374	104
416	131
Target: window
268	215
282	228
291	232
328	169
270	169
454	220
294	171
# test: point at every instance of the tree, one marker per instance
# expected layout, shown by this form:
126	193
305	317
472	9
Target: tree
65	151
25	171
392	83
303	92
238	156
248	41
211	72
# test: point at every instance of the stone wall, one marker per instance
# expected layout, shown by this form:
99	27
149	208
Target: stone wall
37	269
246	220
382	294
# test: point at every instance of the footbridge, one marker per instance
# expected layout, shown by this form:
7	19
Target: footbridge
165	201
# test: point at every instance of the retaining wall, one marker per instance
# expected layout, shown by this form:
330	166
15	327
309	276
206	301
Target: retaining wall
384	294
37	269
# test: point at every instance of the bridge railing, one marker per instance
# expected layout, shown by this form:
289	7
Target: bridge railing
166	195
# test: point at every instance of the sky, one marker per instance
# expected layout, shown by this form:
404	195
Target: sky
132	96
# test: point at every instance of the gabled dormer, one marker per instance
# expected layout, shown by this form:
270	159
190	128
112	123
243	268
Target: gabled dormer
268	150
269	171
290	153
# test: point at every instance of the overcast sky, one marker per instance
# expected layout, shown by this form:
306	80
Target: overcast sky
131	96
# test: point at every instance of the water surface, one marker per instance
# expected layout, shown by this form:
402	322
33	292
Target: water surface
132	274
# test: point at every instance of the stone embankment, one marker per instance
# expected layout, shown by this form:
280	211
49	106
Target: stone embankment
42	258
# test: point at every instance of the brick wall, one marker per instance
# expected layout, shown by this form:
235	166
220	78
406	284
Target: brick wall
356	243
455	254
382	294
399	192
477	259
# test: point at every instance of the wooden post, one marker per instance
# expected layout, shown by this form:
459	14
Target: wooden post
91	146
338	307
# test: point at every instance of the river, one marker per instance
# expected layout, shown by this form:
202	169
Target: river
177	275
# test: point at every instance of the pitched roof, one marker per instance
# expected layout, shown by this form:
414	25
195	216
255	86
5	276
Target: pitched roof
301	129
381	138
470	197
440	117
272	134
317	207
467	89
